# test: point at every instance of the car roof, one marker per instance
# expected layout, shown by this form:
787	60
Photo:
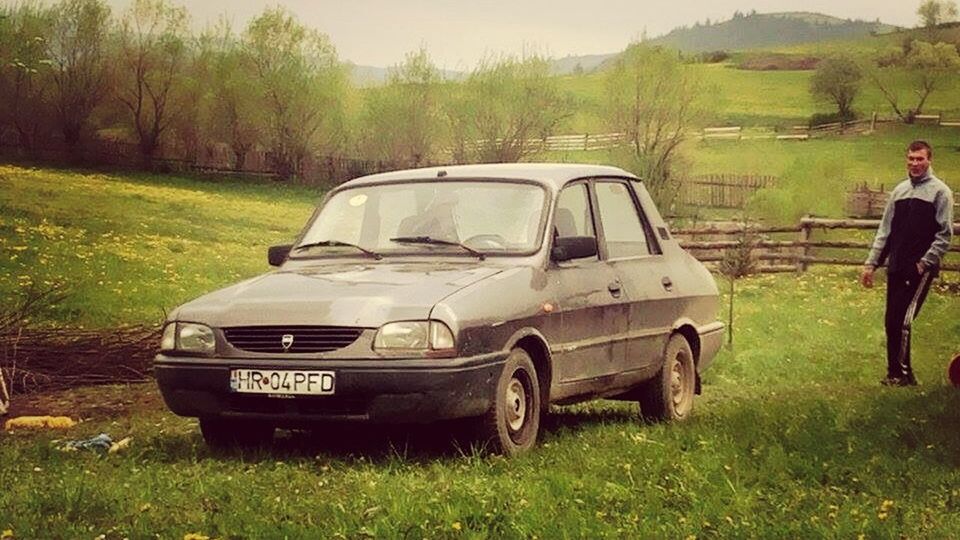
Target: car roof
553	174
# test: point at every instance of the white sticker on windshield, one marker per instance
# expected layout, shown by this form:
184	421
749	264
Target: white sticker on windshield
358	200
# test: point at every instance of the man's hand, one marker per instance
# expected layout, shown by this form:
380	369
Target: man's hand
866	277
921	268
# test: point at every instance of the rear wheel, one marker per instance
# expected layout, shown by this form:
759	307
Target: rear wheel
224	434
668	396
511	426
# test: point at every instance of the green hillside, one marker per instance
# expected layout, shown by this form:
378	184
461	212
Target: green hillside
766	30
754	98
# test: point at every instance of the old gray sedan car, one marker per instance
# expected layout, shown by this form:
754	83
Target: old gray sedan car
484	291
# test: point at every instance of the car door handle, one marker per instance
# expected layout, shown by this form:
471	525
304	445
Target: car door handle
615	288
667	283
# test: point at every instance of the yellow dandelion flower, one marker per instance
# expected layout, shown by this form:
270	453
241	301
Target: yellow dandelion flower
456	526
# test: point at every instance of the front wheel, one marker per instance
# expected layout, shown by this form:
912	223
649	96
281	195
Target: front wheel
512	424
668	396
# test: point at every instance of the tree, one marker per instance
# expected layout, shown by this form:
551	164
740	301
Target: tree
302	84
231	112
192	87
503	106
929	67
403	120
738	262
653	100
25	73
78	50
152	51
838	80
935	12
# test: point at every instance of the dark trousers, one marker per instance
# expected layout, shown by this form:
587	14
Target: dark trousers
901	289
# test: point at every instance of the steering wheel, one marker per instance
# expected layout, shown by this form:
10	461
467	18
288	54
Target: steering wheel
494	241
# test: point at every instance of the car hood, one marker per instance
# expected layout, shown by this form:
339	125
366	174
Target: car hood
335	294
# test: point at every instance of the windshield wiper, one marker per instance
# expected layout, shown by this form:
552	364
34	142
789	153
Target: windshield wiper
436	242
336	243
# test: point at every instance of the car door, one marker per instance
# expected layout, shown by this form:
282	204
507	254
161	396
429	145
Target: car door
592	308
628	244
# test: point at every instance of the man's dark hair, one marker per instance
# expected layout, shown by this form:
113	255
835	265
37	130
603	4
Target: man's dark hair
918	145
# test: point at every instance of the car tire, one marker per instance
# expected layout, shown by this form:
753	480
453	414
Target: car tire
512	424
225	434
668	396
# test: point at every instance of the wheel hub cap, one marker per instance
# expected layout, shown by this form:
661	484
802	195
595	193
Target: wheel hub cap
516	405
676	382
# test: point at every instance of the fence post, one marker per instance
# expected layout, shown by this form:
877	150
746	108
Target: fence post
873	121
806	232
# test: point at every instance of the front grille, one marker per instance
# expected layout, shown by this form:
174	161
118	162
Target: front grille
306	339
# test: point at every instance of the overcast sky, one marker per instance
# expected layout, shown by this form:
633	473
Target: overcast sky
457	33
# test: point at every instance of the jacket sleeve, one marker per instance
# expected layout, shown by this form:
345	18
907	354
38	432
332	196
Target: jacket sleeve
878	253
941	240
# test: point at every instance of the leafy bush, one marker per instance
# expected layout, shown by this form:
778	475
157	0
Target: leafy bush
713	57
818	119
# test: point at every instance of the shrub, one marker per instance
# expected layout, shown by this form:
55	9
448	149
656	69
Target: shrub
818	119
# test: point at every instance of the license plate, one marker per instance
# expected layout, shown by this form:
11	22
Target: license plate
290	382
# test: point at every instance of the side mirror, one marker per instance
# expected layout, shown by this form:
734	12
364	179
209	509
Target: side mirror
566	248
277	254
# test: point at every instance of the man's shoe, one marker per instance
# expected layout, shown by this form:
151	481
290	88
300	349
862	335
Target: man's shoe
906	380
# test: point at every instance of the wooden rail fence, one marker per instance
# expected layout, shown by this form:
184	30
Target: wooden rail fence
709	242
722	190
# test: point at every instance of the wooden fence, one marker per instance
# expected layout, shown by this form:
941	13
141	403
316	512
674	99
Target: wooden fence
722	190
213	159
773	249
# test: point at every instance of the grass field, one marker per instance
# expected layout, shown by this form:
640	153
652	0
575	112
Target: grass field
757	98
125	249
831	165
792	438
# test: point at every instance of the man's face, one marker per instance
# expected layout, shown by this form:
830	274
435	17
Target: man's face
917	163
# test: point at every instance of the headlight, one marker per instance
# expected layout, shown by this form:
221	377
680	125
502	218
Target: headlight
188	337
169	340
414	336
195	338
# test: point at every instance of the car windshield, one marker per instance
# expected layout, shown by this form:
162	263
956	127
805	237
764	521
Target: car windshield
463	217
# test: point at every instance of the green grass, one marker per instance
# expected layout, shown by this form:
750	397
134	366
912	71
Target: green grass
877	159
757	98
125	249
792	438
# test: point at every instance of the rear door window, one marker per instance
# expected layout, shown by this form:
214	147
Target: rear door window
625	234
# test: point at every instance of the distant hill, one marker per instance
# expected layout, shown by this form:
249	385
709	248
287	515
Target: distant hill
575	64
742	32
757	30
372	76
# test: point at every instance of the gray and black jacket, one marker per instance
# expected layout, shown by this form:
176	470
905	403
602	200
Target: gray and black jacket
917	226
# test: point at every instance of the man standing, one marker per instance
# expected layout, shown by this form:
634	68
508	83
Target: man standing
912	238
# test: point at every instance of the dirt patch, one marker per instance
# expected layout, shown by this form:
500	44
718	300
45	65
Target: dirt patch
90	402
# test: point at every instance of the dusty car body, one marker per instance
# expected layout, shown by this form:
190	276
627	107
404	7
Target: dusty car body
545	284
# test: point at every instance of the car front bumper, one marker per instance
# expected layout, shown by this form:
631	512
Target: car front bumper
416	391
